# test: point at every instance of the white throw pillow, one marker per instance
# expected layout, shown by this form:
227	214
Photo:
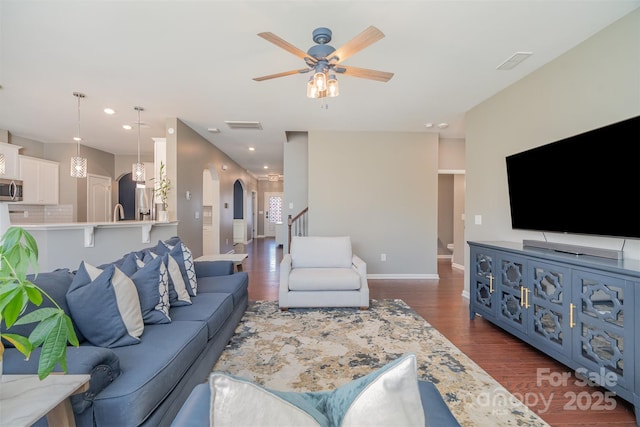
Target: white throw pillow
386	397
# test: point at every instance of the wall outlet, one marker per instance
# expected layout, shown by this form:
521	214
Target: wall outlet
26	214
197	214
383	257
478	219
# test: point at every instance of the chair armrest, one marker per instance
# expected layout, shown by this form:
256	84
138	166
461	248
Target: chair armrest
285	270
195	410
213	268
360	266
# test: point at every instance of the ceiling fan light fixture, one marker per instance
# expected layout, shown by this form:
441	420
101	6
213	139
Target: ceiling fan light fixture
320	80
312	90
332	86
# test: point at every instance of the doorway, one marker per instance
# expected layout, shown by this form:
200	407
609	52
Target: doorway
272	212
210	211
98	198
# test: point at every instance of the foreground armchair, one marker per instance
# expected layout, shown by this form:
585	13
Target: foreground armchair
322	272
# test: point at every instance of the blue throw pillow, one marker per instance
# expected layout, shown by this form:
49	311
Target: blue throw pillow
105	306
152	282
386	397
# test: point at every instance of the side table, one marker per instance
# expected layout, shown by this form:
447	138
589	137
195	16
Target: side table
24	399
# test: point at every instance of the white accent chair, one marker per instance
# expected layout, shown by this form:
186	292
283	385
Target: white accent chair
322	272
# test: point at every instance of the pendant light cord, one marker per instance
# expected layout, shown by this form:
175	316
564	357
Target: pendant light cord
79	139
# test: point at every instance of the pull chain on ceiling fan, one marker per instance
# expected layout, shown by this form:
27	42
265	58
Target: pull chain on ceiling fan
326	61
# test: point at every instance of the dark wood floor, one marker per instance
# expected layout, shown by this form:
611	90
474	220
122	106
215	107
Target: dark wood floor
510	361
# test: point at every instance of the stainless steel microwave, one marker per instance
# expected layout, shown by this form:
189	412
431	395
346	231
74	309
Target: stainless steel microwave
10	190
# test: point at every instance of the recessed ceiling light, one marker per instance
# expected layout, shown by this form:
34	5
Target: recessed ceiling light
428	125
126	127
213	130
266	167
109	111
252	148
443	125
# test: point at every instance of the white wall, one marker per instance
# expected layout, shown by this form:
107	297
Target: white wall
381	189
592	85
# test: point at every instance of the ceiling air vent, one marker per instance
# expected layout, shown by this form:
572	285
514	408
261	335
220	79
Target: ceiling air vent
514	60
239	124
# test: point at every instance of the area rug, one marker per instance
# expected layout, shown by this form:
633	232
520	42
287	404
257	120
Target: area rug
321	349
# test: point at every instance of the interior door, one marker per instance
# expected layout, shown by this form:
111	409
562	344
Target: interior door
272	213
98	198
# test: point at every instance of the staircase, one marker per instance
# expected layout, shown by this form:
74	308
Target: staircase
297	225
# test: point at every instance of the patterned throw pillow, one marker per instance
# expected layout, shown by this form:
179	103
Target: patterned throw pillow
178	294
181	253
386	397
105	306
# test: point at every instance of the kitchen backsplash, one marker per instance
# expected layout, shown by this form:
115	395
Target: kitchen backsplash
40	214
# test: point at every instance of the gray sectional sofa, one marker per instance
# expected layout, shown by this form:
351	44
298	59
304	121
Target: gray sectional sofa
146	383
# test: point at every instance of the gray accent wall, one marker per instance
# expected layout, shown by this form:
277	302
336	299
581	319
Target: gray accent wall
188	154
380	188
595	84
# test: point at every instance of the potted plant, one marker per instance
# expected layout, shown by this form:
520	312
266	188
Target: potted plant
18	252
161	191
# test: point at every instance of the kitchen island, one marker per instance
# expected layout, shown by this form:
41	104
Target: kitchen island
68	244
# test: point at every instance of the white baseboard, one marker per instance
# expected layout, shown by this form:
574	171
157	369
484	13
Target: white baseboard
445	256
404	276
457	266
465	294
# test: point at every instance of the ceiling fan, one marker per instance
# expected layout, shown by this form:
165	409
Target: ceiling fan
326	61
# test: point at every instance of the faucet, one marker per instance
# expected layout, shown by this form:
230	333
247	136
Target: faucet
118	209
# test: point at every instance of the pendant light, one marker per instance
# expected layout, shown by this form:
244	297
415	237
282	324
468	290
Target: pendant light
78	164
137	170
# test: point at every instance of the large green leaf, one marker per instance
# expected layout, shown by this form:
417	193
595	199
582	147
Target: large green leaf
22	344
53	348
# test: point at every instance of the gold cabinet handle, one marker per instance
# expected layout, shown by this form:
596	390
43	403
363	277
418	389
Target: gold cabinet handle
491	283
571	322
526	297
521	296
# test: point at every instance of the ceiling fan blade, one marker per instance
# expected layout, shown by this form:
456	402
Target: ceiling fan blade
359	42
283	74
365	73
270	37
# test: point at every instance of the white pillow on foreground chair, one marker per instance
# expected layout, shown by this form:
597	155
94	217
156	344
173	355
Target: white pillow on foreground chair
386	397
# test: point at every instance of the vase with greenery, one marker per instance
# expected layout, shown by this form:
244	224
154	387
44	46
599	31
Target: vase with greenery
18	253
161	190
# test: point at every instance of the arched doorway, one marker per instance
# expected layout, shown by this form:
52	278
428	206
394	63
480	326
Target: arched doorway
239	213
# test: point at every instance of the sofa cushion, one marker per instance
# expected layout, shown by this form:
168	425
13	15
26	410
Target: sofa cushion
152	282
55	284
387	396
235	284
314	252
324	279
212	308
150	371
105	305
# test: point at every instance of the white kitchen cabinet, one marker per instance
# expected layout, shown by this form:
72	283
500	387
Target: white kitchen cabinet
40	181
12	167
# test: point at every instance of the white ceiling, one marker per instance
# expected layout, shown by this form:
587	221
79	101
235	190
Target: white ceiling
195	60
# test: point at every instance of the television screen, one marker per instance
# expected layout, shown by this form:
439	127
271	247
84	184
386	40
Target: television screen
585	184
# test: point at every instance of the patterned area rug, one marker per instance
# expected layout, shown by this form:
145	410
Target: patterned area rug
321	349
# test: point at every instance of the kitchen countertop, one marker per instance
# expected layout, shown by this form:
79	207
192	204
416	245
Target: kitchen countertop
90	227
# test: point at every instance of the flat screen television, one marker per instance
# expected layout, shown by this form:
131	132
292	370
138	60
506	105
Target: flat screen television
585	184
